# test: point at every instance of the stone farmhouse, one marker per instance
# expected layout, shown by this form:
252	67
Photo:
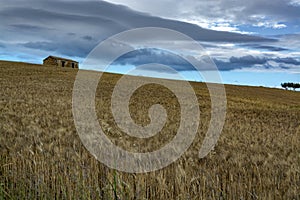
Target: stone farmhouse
60	62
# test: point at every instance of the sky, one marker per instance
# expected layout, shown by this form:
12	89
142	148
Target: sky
251	42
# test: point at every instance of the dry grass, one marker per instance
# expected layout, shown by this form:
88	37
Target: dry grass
41	156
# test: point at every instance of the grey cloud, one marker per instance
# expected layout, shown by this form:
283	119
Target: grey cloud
291	41
179	62
276	9
68	48
227	66
146	56
21	27
74	28
251	61
247	60
236	12
47	46
287	60
88	38
153	56
272	48
106	18
59	20
265	47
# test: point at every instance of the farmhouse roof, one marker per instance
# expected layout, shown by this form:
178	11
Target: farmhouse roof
59	58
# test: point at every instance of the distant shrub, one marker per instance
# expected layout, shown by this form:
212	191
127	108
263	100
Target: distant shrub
290	85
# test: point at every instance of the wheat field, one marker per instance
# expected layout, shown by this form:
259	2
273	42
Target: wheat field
41	156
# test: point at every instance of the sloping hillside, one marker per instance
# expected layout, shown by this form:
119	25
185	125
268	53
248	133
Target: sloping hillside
41	156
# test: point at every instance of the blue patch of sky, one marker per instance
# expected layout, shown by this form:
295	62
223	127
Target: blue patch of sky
251	78
291	28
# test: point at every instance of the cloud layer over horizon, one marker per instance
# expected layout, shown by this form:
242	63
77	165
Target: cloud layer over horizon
32	30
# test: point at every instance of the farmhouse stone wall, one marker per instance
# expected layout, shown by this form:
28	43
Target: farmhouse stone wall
60	62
